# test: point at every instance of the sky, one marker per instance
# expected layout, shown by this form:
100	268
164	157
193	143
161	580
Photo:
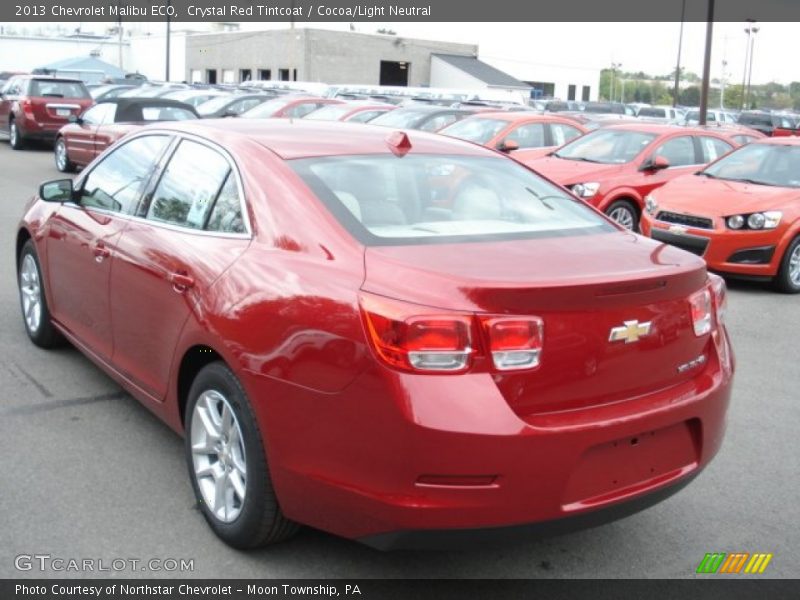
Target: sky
648	47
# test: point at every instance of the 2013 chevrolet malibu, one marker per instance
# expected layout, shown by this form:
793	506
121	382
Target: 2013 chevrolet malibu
341	350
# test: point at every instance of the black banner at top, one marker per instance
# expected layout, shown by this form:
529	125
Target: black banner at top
395	10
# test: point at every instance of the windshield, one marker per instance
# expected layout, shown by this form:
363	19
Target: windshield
762	164
475	129
607	146
214	104
266	109
58	89
440	198
331	112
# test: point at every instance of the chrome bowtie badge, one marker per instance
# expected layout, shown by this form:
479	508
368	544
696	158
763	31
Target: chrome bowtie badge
629	332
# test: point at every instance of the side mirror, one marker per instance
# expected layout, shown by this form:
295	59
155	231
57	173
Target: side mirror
508	146
59	190
658	163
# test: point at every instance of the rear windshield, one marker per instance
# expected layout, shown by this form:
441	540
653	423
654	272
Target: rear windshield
607	146
760	164
475	129
58	89
424	199
647	111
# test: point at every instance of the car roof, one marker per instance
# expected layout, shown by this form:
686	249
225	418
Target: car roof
779	141
515	116
657	128
290	138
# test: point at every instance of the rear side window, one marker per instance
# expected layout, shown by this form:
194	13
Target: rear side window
678	151
563	133
528	136
226	215
58	89
713	148
100	114
116	184
189	186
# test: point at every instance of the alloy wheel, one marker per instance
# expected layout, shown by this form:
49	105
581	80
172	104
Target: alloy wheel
31	290
794	266
218	456
61	155
13	134
623	216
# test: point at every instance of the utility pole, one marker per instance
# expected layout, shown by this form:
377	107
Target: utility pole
166	75
119	34
707	63
676	91
754	31
749	32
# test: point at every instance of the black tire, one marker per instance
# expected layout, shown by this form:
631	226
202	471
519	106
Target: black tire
260	521
783	280
624	207
63	163
45	335
15	137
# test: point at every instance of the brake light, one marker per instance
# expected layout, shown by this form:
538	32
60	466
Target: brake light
514	342
700	304
720	297
407	340
27	107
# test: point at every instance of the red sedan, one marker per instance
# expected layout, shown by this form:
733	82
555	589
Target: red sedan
340	351
527	135
87	136
356	112
288	107
615	167
741	213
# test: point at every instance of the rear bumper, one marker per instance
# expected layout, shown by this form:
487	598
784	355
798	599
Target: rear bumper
398	460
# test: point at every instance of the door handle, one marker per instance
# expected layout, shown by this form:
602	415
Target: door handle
181	282
101	252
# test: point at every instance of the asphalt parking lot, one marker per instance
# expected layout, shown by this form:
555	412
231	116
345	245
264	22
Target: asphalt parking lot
89	473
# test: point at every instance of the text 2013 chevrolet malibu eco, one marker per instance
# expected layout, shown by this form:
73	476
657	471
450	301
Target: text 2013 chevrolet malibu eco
396	337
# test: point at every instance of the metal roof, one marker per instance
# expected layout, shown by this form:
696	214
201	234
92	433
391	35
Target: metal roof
482	71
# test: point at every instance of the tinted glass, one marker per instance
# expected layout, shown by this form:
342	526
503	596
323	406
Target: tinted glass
649	111
475	129
117	182
762	164
563	133
713	148
227	212
58	89
190	183
439	198
678	151
608	146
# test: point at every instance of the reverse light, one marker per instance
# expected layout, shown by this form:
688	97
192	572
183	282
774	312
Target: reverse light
515	343
701	310
585	190
407	340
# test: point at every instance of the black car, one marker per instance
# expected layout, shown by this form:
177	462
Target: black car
768	123
609	108
424	118
231	105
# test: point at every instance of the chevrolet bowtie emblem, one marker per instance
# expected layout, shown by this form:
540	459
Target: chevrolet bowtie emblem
629	332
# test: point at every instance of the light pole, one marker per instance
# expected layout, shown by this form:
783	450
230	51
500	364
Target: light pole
750	66
166	77
678	64
707	64
749	32
722	82
614	67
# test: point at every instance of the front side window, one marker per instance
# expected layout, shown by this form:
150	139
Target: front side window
563	133
678	151
760	164
528	136
607	146
713	148
117	183
418	199
191	182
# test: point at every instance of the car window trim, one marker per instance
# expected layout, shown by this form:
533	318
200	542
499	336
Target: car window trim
164	161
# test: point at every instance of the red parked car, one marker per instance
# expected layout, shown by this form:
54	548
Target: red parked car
741	213
87	136
526	135
340	351
288	107
35	107
615	167
356	112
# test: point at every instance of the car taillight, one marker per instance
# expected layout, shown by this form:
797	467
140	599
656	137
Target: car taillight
720	291
408	340
514	342
700	304
27	107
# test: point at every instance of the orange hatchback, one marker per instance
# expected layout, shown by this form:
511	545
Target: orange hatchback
741	213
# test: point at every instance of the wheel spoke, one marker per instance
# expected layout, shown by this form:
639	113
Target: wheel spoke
226	420
220	493
237	484
211	428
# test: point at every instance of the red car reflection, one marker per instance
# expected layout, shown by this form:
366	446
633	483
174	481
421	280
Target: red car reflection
342	351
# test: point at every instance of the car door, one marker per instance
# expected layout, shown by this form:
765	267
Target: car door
683	155
193	228
82	239
80	138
